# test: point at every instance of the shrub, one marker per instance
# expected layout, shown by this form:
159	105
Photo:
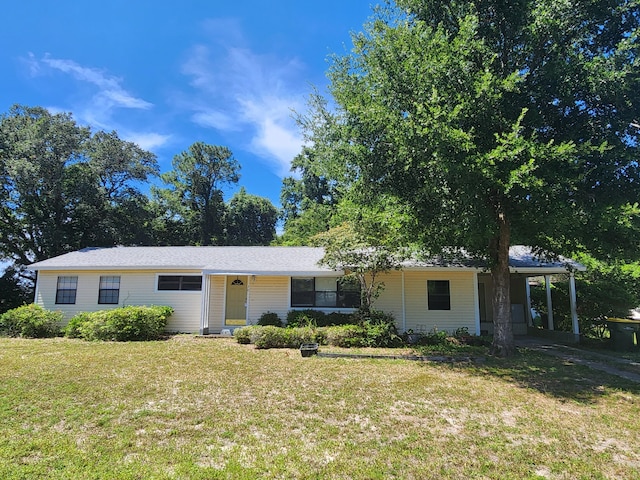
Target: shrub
270	318
30	321
132	323
379	328
270	336
346	336
72	330
338	318
246	335
305	318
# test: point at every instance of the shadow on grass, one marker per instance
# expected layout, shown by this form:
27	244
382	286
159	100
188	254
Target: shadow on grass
553	376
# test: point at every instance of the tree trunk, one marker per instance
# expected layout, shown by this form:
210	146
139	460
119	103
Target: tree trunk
503	342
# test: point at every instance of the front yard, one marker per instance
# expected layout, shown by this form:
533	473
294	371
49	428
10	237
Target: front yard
202	408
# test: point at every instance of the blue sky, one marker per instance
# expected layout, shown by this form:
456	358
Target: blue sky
165	74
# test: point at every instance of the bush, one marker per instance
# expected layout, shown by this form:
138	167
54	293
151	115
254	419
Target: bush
346	336
305	318
72	330
366	334
246	335
133	323
30	321
270	318
271	336
338	318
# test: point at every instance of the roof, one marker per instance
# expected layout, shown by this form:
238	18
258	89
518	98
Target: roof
212	260
261	260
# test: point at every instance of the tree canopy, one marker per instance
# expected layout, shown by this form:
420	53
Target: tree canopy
64	188
492	123
195	190
250	220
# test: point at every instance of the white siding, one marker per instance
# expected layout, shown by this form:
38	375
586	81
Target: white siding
216	303
268	294
136	288
462	313
390	300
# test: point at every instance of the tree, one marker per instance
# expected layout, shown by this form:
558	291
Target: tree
250	220
604	290
348	249
492	123
63	188
308	201
195	192
14	292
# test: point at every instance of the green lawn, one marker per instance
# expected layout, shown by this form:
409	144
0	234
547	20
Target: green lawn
197	408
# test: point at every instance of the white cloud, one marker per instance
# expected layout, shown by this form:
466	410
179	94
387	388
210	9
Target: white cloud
215	119
110	91
146	141
248	92
100	108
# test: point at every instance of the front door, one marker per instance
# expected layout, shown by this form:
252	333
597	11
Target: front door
236	303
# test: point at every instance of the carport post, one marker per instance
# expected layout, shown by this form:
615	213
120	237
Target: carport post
204	306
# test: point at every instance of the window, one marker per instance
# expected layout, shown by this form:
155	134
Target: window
66	290
438	295
109	290
327	292
180	282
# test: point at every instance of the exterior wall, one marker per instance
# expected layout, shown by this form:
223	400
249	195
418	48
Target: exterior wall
390	299
136	288
268	294
461	288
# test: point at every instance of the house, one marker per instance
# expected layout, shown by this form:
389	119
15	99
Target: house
221	288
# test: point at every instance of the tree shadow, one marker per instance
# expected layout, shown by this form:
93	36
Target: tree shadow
550	375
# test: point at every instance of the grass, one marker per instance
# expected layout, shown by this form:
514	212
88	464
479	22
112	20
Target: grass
199	408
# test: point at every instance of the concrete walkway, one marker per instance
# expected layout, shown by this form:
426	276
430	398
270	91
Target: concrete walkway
593	360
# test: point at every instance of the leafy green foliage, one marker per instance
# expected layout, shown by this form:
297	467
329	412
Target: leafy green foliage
246	335
489	123
194	198
30	321
63	188
317	318
250	220
275	337
132	323
14	291
604	290
349	250
270	318
306	318
369	329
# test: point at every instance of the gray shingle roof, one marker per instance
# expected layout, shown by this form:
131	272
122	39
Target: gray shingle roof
254	260
211	259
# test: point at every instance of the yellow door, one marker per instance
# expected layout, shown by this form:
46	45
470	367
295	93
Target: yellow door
236	303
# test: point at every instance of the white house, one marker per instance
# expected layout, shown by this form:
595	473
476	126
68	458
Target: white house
216	288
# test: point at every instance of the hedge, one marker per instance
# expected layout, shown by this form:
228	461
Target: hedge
132	323
30	321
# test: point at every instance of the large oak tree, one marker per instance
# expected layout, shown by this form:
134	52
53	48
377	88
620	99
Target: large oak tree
492	123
